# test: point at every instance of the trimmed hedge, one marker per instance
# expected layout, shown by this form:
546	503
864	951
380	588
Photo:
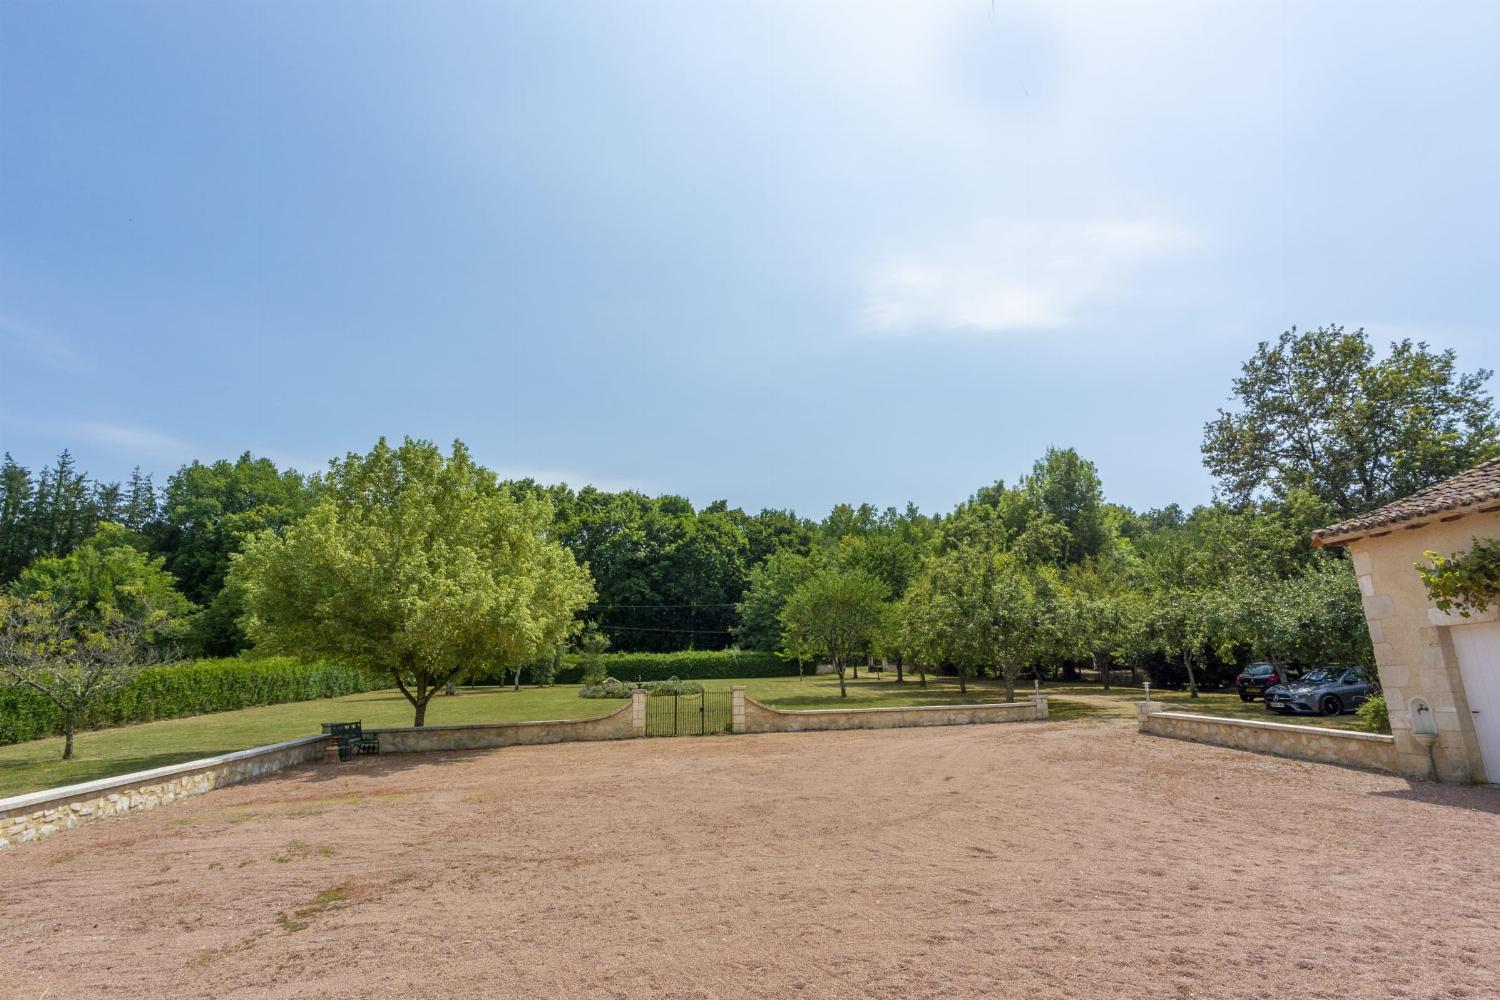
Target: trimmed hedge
688	665
194	688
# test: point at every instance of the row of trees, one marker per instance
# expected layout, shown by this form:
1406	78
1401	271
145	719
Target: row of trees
988	604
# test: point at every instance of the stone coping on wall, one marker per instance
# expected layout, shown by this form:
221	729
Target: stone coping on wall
889	708
759	718
518	724
619	724
32	801
1286	727
1372	751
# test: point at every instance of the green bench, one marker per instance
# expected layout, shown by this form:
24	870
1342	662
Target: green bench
351	738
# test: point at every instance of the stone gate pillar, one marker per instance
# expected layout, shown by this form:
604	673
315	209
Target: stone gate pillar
638	712
737	708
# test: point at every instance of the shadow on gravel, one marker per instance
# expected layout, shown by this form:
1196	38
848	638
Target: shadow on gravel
1478	798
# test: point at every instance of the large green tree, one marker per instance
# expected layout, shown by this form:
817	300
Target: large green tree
79	626
835	613
1065	489
1318	411
207	513
417	566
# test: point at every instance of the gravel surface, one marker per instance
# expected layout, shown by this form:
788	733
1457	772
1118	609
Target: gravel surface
1024	860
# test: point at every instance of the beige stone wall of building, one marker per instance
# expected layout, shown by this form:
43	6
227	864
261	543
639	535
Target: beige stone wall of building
1330	746
1413	654
35	815
618	725
760	718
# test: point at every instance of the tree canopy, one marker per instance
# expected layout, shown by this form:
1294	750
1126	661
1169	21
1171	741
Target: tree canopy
1318	412
415	565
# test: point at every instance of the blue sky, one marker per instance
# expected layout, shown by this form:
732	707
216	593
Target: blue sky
787	254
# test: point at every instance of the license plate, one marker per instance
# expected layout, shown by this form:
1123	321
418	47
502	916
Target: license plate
1254	690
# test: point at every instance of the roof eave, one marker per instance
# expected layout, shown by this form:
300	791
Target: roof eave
1321	540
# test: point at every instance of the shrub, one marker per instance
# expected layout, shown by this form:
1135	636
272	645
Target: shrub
612	688
1374	714
182	689
1466	582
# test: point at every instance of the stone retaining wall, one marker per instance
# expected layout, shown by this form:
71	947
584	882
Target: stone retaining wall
617	725
1370	751
758	718
41	814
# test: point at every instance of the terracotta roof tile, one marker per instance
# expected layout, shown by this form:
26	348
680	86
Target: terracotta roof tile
1479	484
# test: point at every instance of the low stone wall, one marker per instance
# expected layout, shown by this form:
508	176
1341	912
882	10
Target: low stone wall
618	725
1370	751
758	718
40	814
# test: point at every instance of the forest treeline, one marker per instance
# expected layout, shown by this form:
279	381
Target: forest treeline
1319	428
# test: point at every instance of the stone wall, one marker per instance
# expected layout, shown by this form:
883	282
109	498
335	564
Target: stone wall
758	718
1330	746
628	721
1413	650
40	814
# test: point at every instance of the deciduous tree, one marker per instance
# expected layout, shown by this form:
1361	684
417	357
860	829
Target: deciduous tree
834	613
415	565
1317	411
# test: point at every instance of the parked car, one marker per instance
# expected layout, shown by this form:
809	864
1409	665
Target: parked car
1325	691
1253	681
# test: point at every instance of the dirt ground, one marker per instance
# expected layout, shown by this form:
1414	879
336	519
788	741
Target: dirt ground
1025	860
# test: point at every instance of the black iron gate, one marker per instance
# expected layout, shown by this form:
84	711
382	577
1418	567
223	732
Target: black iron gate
689	714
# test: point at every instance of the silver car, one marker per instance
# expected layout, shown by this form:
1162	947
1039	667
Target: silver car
1325	691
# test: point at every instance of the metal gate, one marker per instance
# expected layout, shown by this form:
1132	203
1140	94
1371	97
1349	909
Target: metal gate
689	714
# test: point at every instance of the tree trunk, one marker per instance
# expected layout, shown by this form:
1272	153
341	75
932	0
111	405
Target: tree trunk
518	677
963	680
839	669
1010	685
899	677
70	720
425	691
1102	671
923	668
1187	661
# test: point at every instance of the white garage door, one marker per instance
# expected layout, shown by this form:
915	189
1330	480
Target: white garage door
1478	649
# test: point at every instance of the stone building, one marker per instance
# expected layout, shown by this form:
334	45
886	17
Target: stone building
1440	672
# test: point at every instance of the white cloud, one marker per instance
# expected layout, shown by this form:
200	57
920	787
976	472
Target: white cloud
136	442
1004	278
42	346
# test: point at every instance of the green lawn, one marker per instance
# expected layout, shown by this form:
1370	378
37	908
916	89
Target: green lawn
29	766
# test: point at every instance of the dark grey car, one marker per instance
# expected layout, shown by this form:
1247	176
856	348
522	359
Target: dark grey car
1324	691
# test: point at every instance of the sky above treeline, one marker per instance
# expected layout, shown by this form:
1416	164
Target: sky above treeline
788	254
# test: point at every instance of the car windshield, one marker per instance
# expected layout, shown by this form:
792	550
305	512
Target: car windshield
1259	670
1319	676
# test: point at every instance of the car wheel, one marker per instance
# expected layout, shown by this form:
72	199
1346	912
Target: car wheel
1245	697
1329	704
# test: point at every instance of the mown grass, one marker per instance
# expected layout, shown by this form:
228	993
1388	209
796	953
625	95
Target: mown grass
103	753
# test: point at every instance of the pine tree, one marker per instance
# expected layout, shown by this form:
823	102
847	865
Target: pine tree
107	502
141	509
17	495
63	511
